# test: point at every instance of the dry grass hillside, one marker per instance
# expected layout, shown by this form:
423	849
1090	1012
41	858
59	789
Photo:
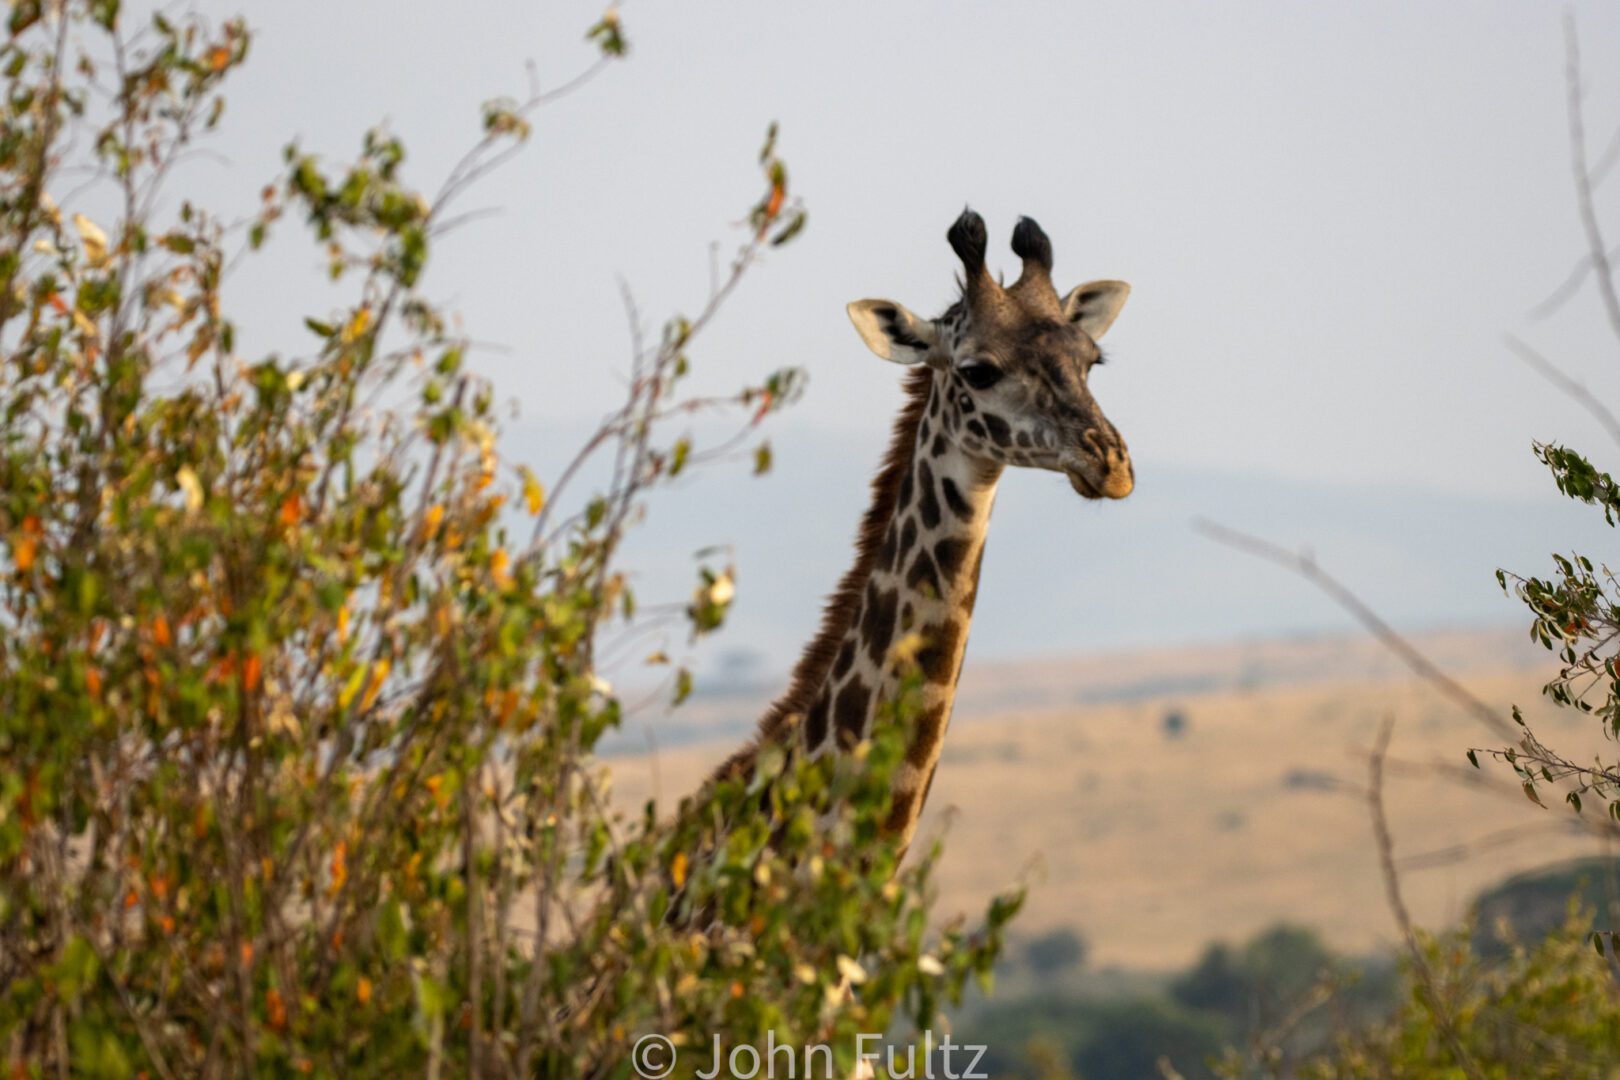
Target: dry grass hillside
1158	801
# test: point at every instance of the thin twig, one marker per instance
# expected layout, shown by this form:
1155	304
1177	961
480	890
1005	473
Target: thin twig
1306	566
1397	904
1574	390
1570	286
1596	248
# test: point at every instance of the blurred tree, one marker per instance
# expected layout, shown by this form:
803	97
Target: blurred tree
1055	951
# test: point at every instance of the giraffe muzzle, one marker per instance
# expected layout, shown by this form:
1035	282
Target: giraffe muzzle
1106	474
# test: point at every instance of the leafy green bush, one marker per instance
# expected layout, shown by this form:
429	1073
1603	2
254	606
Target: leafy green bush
297	683
1550	1008
1099	1039
1258	983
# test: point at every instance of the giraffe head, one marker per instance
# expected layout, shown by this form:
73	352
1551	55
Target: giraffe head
1012	364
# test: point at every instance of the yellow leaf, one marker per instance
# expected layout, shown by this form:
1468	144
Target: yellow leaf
351	688
677	869
93	239
904	651
723	590
379	674
533	494
362	990
430	521
356	326
191	487
498	563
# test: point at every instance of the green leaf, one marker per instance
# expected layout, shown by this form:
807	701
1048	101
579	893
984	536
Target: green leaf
24	13
795	225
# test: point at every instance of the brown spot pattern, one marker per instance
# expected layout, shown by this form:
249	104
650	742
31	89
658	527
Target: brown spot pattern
877	626
937	658
923	574
950	553
849	712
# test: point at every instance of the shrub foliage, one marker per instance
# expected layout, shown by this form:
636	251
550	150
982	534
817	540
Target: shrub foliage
298	692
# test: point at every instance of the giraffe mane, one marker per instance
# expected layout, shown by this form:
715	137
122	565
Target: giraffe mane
781	720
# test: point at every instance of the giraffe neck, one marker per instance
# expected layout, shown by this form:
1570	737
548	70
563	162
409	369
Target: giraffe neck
912	605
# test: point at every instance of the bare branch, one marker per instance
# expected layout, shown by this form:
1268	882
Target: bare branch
1306	567
1598	251
1576	391
1570	286
1397	904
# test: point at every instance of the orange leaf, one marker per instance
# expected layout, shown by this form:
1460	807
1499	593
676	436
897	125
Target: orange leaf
92	682
292	510
764	406
379	675
340	868
277	1009
677	869
362	991
24	549
218	58
160	631
252	668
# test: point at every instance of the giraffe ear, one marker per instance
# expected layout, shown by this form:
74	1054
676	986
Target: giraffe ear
893	332
1095	305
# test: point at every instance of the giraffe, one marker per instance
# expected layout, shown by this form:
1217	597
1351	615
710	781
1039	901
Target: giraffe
1000	379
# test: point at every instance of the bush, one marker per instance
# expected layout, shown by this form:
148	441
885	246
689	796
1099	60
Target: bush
1255	985
1054	951
1548	1009
1099	1040
297	683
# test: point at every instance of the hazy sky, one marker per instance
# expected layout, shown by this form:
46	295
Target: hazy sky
1330	213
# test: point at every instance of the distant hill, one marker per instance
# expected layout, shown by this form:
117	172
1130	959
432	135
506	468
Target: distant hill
1064	576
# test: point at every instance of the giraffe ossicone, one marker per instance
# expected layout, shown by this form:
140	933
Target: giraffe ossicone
1000	379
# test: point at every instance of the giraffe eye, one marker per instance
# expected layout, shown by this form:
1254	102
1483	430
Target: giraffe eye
980	375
